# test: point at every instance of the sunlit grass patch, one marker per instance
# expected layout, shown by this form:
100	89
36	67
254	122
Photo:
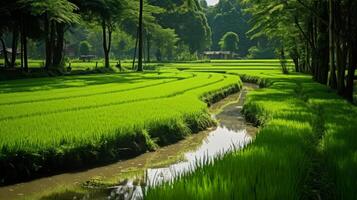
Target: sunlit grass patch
98	119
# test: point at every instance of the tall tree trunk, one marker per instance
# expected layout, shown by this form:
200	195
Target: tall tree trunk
332	76
294	54
24	51
6	60
106	43
341	58
110	32
52	40
308	58
148	41
352	50
25	54
341	49
15	38
22	45
140	57
24	60
296	64
136	48
313	49
58	49
351	72
322	59
322	43
48	49
283	62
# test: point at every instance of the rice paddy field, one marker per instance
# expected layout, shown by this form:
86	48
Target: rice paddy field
306	147
57	123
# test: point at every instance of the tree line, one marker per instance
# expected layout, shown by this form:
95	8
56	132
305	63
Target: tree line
167	26
318	35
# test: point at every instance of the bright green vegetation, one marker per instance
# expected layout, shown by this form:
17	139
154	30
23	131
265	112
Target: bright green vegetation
306	147
75	64
60	123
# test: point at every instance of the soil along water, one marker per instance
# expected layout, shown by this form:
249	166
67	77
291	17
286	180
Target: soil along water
232	132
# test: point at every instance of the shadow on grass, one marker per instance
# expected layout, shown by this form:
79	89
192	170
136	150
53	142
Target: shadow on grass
38	84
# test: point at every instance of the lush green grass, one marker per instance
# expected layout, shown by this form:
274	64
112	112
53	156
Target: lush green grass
69	121
79	65
306	148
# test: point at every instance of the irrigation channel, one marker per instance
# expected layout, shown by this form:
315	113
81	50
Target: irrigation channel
153	168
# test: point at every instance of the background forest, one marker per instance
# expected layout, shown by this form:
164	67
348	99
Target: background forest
185	30
180	30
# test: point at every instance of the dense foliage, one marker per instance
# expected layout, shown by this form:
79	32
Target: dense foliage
109	25
320	36
229	42
186	17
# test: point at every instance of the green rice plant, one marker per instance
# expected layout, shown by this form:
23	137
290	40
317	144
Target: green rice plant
305	149
272	167
13	111
253	173
55	131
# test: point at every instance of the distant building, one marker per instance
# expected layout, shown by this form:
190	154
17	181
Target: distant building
88	58
70	51
220	55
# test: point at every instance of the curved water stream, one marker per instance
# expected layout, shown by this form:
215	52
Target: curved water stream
232	133
154	167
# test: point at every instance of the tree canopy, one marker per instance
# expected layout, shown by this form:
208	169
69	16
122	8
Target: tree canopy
229	42
188	20
320	36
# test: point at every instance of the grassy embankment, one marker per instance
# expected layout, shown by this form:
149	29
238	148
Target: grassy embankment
306	147
55	124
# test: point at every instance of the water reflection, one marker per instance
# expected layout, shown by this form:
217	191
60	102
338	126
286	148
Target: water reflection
220	141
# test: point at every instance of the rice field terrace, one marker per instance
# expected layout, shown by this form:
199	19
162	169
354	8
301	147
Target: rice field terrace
305	147
178	99
63	123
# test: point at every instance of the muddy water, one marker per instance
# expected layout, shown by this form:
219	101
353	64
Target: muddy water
154	167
